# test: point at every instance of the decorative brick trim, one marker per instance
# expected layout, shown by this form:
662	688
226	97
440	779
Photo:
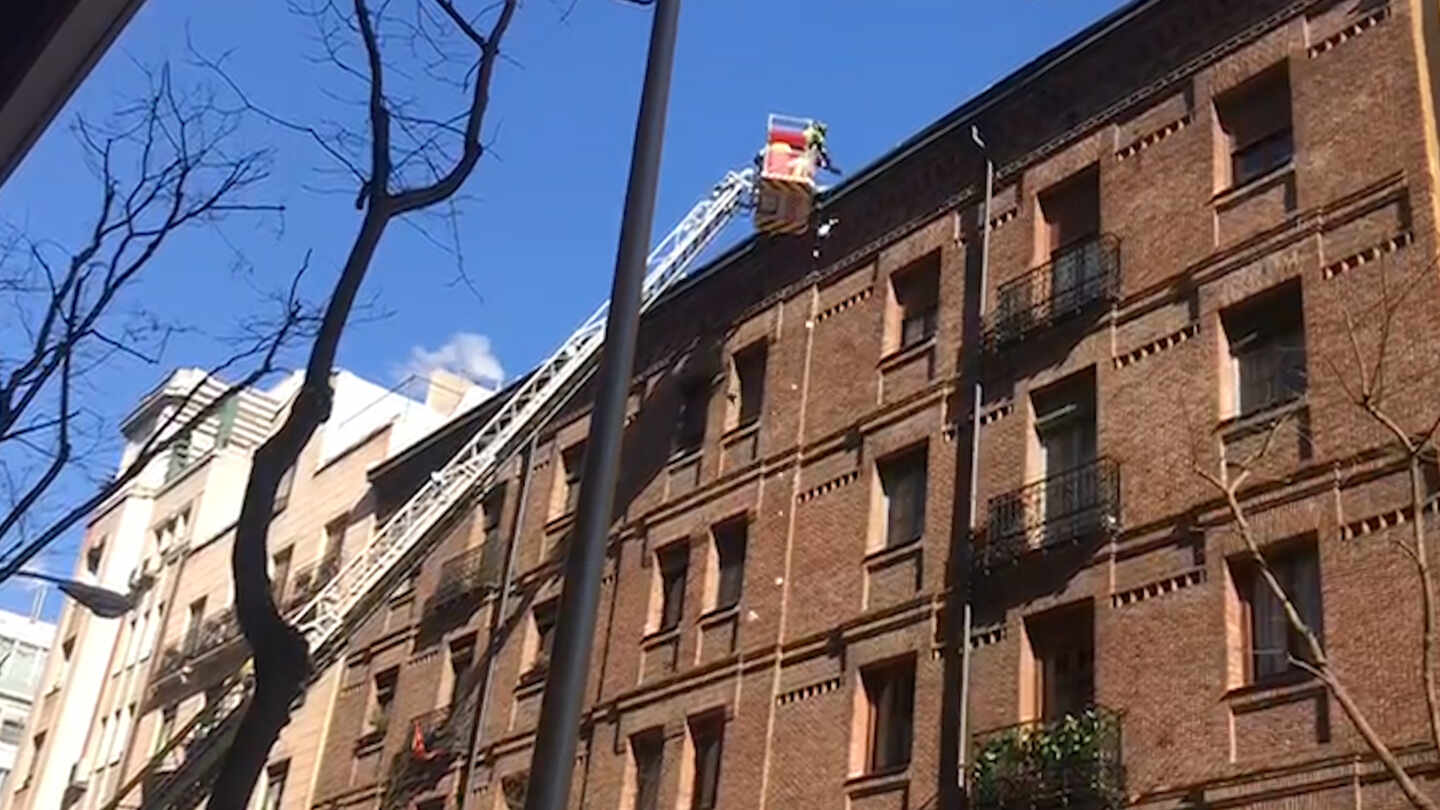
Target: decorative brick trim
1004	217
1151	138
1384	520
844	304
1350	31
1367	255
1157	345
996	413
828	487
985	638
1161	587
807	692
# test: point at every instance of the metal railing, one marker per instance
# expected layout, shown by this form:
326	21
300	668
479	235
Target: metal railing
1072	762
212	634
1076	279
1066	507
475	570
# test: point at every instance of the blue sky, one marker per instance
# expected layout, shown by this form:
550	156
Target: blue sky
540	218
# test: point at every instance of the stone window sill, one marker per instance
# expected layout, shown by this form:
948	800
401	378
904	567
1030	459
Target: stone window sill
1261	418
891	554
739	432
1221	198
878	781
718	615
901	356
1280	685
660	637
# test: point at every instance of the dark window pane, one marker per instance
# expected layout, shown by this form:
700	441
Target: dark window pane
649	751
707	735
891	692
690	424
903	481
673	565
750	378
544	634
1273	641
730	542
917	292
1267	341
1262	156
574	461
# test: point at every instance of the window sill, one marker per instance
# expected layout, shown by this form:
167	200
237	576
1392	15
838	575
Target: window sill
740	431
718	615
1273	686
1261	418
370	742
680	458
904	354
660	637
532	681
879	781
890	554
559	522
1221	198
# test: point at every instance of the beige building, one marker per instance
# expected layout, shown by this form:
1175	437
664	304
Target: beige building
115	691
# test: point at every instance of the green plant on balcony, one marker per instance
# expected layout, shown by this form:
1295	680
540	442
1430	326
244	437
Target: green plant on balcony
1071	762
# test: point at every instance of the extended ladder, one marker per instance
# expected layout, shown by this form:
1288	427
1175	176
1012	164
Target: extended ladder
405	536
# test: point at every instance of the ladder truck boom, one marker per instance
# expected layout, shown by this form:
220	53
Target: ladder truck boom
404	538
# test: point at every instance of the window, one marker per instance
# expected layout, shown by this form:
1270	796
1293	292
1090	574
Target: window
132	641
690	423
890	693
573	460
93	557
706	735
282	490
275	777
1065	430
730	541
152	630
166	729
227	420
672	563
11	730
334	547
513	789
747	384
915	293
1255	128
462	657
1070	223
648	750
492	508
179	456
194	621
1267	350
544	617
384	700
280	572
1272	641
102	743
1062	642
67	652
902	486
125	719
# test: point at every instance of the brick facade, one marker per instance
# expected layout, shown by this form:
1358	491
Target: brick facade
1152	563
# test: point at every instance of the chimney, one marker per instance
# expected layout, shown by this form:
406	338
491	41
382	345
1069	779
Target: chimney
445	390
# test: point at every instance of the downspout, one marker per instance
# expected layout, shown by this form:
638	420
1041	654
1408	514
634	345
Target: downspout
975	444
496	620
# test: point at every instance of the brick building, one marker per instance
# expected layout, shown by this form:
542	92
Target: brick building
1188	196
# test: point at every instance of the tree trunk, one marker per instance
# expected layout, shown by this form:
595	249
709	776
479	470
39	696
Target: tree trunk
280	654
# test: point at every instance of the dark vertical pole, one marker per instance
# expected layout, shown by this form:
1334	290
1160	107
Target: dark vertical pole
553	758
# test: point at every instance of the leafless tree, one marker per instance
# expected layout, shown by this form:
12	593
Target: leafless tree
168	161
407	160
1378	379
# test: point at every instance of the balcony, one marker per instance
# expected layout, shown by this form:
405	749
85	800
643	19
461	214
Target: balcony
1073	762
1076	280
477	570
1065	508
210	635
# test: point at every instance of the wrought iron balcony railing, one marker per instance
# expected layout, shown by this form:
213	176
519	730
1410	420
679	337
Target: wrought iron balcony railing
477	570
1073	762
1067	507
1076	279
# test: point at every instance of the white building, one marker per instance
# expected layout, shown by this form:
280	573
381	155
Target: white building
165	535
24	643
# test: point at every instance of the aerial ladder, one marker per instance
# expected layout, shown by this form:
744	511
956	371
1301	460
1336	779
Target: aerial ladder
406	537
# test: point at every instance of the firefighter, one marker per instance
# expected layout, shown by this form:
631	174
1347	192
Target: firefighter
815	145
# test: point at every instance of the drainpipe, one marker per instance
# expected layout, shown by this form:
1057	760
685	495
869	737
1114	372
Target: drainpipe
978	395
